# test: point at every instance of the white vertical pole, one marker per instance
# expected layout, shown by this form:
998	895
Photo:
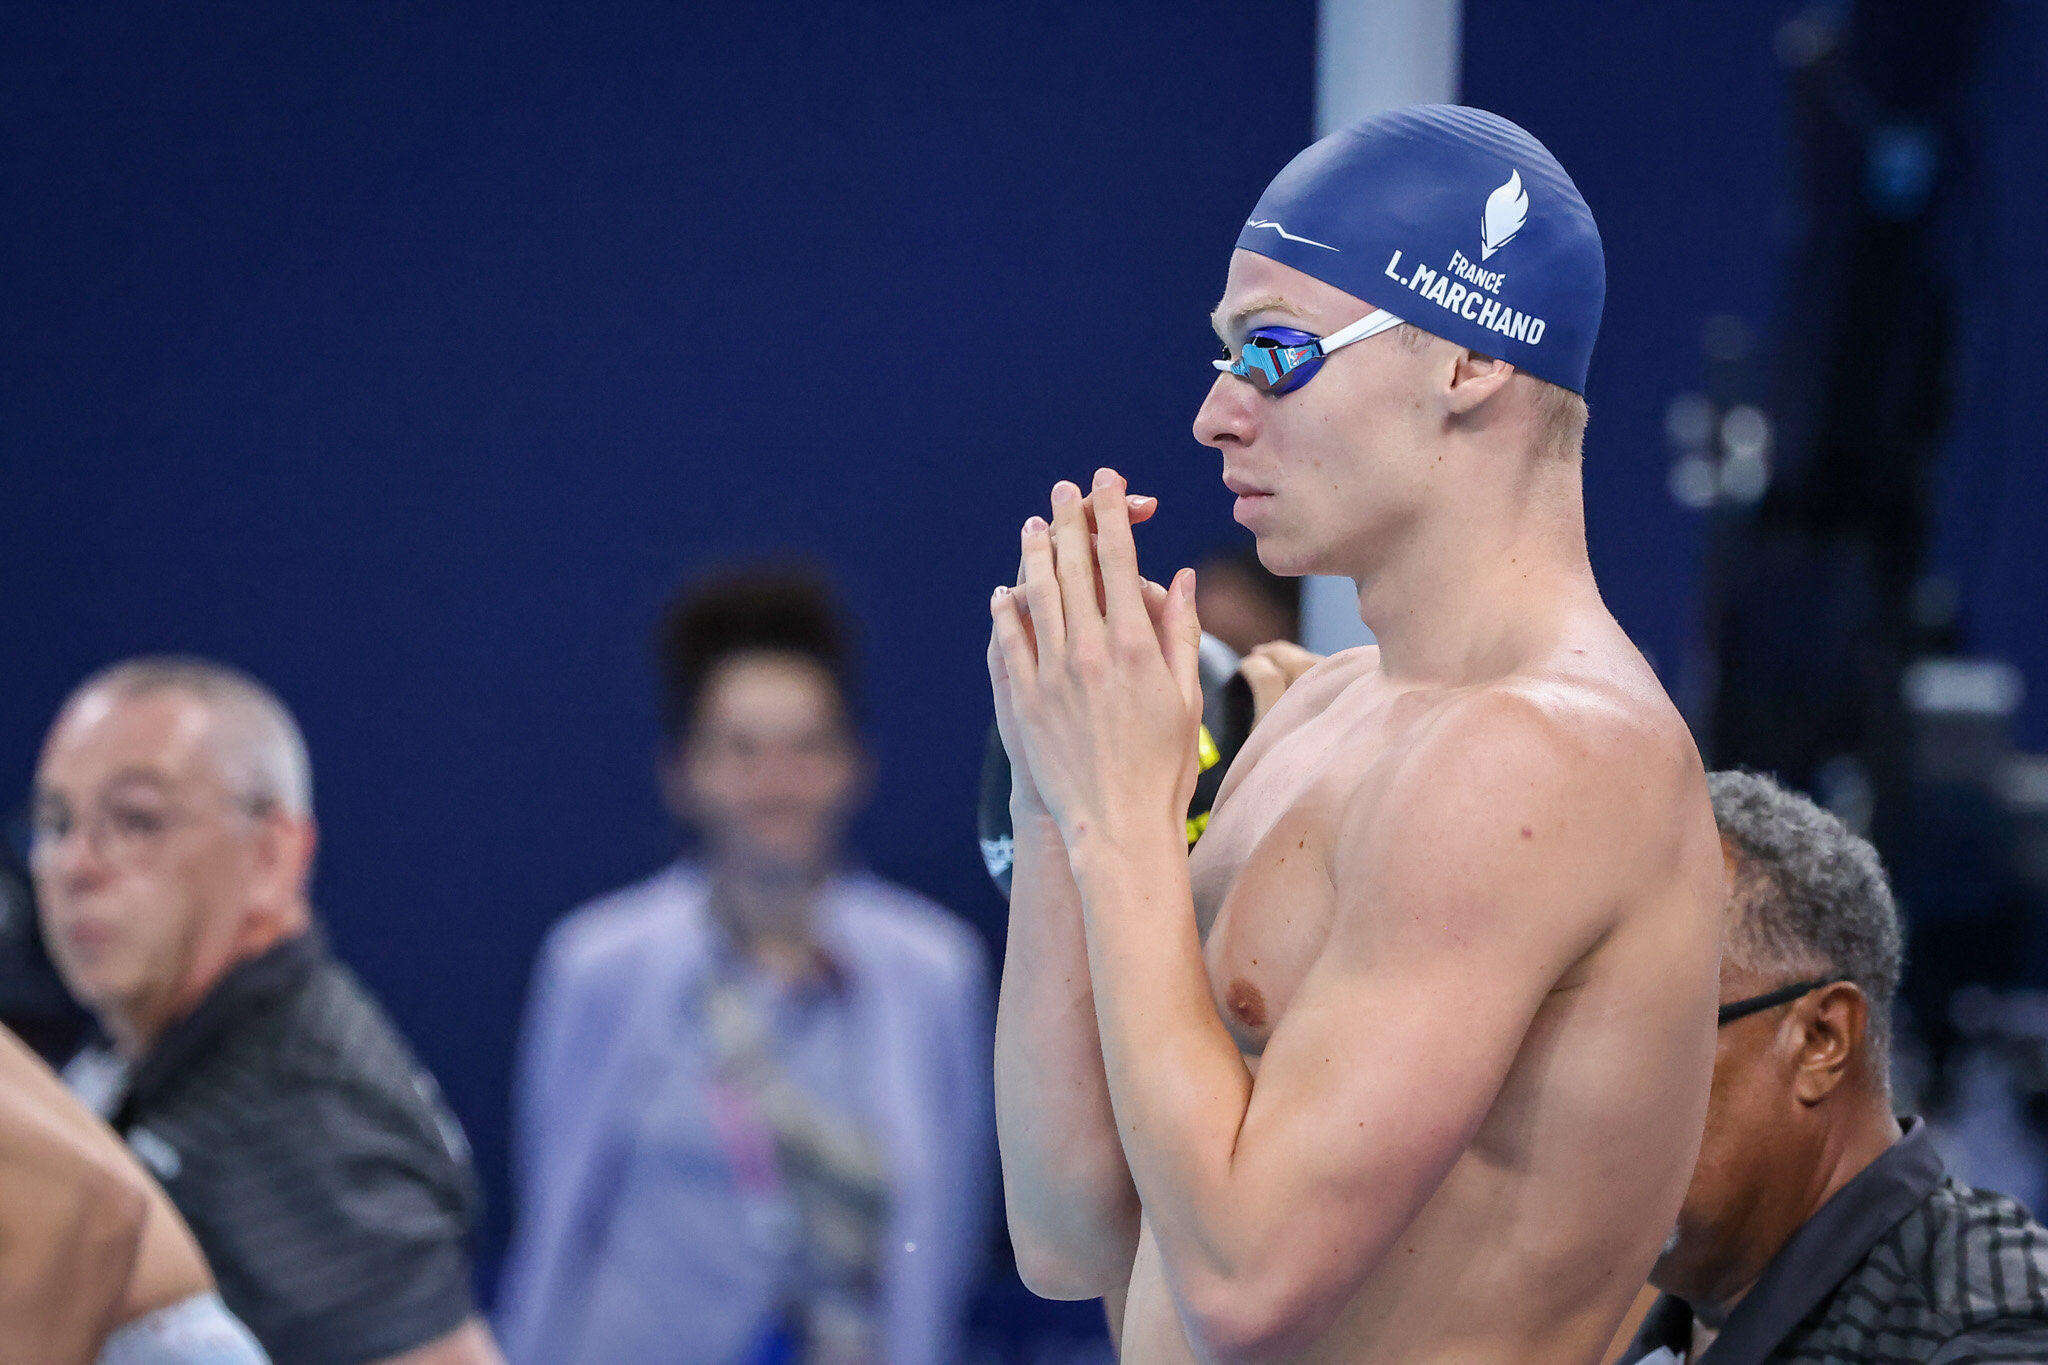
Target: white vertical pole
1373	55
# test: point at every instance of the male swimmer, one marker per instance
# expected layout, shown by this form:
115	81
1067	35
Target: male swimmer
1408	1060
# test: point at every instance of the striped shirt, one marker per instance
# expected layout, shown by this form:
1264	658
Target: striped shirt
1902	1265
324	1179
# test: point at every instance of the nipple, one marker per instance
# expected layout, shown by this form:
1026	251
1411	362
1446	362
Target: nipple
1245	1003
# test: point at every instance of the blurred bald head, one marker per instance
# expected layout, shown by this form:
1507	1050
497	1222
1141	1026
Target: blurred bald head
251	738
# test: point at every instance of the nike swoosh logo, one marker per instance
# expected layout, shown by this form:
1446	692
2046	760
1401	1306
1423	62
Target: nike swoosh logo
1305	241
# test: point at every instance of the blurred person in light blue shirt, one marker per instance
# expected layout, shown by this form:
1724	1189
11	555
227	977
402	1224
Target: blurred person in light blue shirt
753	1103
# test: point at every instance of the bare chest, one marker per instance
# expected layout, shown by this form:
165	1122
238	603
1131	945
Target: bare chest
1264	888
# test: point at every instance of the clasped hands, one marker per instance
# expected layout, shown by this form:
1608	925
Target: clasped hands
1097	690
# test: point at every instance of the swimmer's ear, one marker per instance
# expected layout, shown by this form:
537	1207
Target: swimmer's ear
1473	379
1832	1024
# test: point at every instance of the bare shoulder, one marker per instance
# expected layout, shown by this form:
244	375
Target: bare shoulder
1305	699
1315	689
1573	786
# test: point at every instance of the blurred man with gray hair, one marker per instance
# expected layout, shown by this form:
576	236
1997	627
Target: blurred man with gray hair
1819	1227
172	850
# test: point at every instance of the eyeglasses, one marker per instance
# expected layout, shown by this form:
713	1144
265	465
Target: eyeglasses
1742	1009
119	828
1279	360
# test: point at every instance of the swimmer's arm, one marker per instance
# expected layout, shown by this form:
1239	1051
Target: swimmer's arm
1067	1193
1072	1209
1273	1201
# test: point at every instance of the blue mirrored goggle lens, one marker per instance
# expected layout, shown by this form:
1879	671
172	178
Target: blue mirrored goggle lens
1278	359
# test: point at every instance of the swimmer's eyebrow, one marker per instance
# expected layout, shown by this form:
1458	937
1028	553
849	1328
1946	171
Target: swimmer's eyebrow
1269	303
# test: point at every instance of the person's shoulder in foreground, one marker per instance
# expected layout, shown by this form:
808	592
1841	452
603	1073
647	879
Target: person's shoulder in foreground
95	1263
319	1166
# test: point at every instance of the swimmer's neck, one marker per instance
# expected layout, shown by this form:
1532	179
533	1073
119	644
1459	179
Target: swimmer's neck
1472	592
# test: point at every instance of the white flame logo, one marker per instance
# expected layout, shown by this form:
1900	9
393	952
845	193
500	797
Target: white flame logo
1507	208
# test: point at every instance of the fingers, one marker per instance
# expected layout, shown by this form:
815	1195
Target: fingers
1041	586
1117	556
1033	605
1138	506
1074	558
998	674
1023	612
1009	652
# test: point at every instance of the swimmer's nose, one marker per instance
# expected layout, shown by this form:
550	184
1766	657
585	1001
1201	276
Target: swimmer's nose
1229	415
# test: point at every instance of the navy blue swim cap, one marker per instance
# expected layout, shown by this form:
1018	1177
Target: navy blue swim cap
1453	219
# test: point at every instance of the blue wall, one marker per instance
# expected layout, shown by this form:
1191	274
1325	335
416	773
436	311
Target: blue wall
409	359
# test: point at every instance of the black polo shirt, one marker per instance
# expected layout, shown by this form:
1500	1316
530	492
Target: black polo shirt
325	1180
1902	1264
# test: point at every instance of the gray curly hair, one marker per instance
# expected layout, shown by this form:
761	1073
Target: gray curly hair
1812	897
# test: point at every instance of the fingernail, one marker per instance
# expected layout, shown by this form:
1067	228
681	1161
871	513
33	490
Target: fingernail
1034	526
1064	491
1146	500
1104	477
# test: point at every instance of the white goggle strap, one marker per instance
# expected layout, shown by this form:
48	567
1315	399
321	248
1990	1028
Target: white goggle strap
1371	325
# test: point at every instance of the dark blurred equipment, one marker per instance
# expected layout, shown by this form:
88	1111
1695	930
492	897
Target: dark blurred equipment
33	1001
1819	597
1226	720
1832	653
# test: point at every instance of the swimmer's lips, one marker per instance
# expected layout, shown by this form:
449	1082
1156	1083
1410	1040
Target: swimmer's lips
1244	489
1249	496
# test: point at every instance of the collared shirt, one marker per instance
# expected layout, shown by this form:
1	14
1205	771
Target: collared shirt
645	1232
1901	1264
323	1177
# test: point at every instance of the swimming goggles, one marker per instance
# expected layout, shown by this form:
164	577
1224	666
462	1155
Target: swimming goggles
1279	360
